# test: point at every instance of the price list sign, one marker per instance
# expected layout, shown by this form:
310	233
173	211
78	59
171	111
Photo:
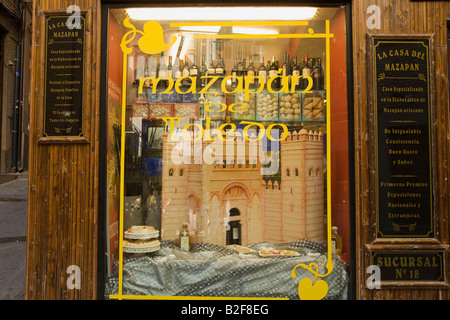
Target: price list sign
403	138
64	77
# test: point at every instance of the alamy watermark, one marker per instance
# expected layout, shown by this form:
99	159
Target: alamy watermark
74	21
74	279
374	280
374	20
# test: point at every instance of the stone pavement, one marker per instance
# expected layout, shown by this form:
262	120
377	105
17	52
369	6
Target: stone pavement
13	228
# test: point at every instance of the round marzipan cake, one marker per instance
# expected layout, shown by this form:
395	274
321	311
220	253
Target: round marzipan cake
141	246
141	232
141	229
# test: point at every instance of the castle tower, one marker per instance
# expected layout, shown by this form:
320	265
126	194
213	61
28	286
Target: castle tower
302	186
174	195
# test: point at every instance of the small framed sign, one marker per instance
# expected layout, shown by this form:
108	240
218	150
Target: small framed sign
406	266
402	107
64	79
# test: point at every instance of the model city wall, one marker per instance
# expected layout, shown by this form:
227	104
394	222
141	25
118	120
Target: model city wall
269	210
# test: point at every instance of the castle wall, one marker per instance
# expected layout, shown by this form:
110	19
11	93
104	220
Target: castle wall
268	212
314	183
292	188
272	218
293	211
255	220
174	202
315	211
214	227
194	193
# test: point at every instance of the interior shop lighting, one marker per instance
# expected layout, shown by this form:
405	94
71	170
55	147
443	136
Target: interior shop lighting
245	30
237	30
206	29
222	13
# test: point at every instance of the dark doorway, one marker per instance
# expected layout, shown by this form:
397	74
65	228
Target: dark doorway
234	229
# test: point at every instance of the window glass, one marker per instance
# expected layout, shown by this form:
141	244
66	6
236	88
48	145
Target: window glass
227	152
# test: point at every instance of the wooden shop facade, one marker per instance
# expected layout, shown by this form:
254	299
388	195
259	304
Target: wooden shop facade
197	149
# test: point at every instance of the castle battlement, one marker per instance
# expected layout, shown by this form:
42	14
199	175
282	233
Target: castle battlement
303	135
271	185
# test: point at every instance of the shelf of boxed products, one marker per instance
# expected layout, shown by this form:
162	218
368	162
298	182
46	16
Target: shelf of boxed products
282	107
264	106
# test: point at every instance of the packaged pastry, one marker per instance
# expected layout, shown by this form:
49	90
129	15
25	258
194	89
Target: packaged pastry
267	106
290	107
247	112
313	107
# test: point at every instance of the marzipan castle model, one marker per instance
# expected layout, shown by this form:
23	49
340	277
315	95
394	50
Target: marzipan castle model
204	195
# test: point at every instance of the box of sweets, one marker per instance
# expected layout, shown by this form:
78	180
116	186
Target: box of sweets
160	110
139	110
314	106
290	107
243	109
267	106
186	110
216	106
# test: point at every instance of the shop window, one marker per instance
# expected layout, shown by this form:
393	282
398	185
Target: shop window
187	80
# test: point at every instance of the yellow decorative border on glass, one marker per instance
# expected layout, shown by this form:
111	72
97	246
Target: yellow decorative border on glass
307	289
